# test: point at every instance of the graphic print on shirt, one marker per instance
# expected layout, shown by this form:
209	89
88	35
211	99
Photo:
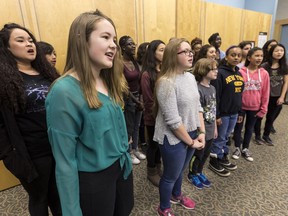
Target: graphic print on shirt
275	78
36	95
209	108
237	81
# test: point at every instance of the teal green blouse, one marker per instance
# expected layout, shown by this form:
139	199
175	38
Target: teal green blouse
83	139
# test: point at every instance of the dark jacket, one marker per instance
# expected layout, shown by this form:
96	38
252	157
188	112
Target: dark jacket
13	150
229	86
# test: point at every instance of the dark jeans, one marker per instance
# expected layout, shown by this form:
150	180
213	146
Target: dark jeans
153	153
175	160
273	112
106	192
43	190
199	158
249	127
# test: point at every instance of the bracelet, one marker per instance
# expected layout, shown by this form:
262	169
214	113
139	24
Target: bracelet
201	132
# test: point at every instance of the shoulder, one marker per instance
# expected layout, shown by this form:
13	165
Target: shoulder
64	87
145	75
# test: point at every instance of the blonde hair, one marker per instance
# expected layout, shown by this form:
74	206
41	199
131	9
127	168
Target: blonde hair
169	65
203	67
78	60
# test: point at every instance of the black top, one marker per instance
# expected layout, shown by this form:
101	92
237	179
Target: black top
229	86
32	123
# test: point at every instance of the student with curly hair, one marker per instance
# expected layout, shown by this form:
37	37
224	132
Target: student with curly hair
25	77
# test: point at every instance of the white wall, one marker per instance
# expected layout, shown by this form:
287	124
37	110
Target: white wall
282	10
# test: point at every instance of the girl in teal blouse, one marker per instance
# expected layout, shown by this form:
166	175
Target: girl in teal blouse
86	126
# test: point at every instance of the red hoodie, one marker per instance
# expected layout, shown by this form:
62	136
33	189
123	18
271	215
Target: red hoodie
256	91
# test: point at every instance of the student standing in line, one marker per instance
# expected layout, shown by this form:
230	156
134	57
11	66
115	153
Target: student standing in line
132	75
196	45
49	52
277	68
25	76
151	69
245	47
204	71
266	47
216	41
207	51
179	115
229	86
142	48
86	124
255	98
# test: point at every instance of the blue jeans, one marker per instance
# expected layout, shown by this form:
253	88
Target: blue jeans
219	146
175	159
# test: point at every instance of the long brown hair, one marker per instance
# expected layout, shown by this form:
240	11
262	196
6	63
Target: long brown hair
78	60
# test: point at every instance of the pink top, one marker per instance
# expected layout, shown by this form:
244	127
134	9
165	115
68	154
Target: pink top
256	91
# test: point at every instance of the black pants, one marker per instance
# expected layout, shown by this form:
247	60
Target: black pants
199	158
273	111
106	192
43	190
153	153
249	127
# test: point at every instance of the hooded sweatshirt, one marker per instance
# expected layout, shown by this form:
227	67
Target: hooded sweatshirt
229	86
256	90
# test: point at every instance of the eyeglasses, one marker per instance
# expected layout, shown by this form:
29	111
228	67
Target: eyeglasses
186	52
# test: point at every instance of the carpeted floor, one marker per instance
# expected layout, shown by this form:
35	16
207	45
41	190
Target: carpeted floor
255	188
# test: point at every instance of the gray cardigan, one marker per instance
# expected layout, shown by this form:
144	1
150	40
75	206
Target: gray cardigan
179	102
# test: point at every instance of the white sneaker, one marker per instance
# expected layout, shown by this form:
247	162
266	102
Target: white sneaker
139	155
134	159
247	155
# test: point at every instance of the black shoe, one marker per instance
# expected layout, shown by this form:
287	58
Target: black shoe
268	140
273	131
217	168
259	140
226	163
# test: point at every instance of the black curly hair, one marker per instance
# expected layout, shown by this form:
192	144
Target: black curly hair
11	82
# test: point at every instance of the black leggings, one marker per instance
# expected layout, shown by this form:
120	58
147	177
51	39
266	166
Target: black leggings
106	192
153	153
273	111
249	127
199	158
43	190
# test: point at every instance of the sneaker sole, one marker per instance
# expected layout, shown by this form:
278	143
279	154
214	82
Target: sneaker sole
194	185
235	157
178	203
218	172
229	168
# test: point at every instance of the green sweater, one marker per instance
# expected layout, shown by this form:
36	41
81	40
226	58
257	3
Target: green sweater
83	139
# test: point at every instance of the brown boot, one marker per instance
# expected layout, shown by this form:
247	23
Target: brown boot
159	170
152	175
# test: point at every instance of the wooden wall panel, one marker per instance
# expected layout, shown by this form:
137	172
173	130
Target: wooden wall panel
54	20
10	12
187	18
224	20
123	14
253	23
159	19
7	180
